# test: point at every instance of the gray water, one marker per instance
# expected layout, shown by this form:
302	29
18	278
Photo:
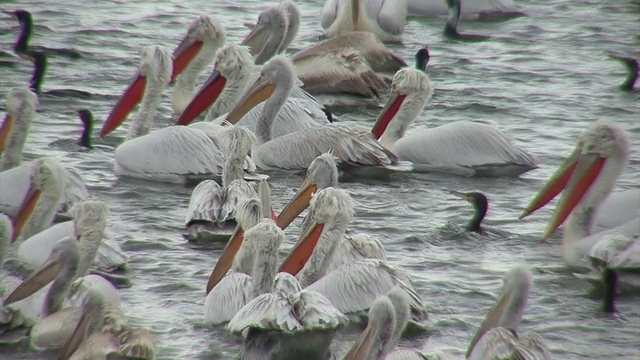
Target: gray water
543	80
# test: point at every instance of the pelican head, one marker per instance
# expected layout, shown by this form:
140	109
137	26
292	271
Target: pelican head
388	315
203	32
41	201
321	174
268	36
236	140
232	70
276	81
88	216
332	210
286	283
21	109
508	310
154	72
410	91
587	176
61	265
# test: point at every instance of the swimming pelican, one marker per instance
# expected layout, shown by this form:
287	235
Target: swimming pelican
40	64
296	151
103	333
462	147
37	212
283	321
480	204
632	68
483	9
21	109
587	176
212	208
386	18
210	37
354	286
22	47
451	27
173	154
227	84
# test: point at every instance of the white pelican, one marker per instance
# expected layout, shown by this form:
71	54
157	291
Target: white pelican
462	147
354	286
587	176
208	35
212	208
46	188
296	150
283	321
172	154
385	18
21	109
226	85
487	9
103	333
346	64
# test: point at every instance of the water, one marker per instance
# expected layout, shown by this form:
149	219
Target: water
543	80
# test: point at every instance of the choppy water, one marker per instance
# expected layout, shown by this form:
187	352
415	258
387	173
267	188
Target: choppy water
543	79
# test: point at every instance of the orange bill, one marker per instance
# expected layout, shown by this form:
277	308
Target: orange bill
26	209
260	91
491	321
298	204
303	250
362	346
4	132
554	185
586	173
207	95
386	115
130	98
36	281
186	51
226	259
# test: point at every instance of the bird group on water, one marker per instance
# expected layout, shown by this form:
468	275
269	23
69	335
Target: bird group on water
267	111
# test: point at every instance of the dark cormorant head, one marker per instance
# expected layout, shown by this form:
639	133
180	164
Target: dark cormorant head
23	16
86	116
39	60
480	204
422	58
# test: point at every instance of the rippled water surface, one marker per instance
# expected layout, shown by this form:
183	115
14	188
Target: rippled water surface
543	80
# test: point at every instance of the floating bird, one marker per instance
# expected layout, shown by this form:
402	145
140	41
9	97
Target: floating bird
588	176
463	147
40	65
227	84
422	59
386	18
451	27
283	321
22	47
21	109
296	150
480	204
480	9
632	69
85	140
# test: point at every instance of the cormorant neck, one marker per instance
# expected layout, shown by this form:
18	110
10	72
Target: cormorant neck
610	279
40	67
476	220
451	28
87	130
630	81
25	34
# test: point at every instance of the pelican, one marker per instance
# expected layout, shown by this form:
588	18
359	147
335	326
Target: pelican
212	208
209	35
227	83
103	333
484	9
283	321
353	286
296	150
462	147
587	176
384	18
388	316
40	64
632	69
37	212
176	154
22	47
21	109
345	65
451	27
480	204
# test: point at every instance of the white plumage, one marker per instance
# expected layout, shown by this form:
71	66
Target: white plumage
502	343
470	8
21	109
385	18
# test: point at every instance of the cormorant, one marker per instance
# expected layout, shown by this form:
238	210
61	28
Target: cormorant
610	279
40	64
480	204
632	68
451	28
422	59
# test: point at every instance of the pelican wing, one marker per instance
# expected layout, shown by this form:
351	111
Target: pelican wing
54	330
353	287
237	192
205	202
295	151
355	248
228	297
502	343
99	345
75	189
609	247
469	147
169	152
406	354
618	208
316	312
137	343
110	255
270	311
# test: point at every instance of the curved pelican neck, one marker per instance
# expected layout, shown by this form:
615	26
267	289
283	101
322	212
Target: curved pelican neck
275	40
12	156
320	259
89	243
141	125
273	106
398	126
265	266
293	16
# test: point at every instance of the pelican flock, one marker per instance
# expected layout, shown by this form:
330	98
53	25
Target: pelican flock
269	110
